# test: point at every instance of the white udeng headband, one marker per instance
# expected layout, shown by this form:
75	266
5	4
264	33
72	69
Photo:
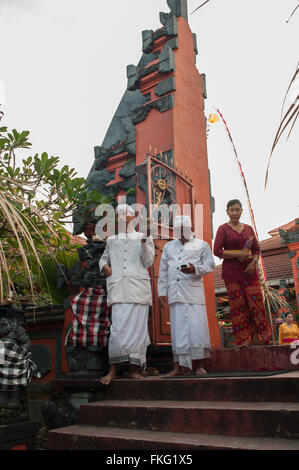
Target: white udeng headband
125	208
182	221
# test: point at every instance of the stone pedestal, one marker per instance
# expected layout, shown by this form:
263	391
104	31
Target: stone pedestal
16	369
19	436
87	362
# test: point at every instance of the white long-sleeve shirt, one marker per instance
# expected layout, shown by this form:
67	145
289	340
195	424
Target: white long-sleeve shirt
180	287
129	260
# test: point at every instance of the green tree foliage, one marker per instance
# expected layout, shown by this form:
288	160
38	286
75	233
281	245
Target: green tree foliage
37	200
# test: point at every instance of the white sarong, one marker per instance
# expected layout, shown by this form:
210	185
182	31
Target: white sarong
190	334
129	336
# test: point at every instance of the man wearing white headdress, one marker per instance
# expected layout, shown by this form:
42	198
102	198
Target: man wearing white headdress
124	262
184	262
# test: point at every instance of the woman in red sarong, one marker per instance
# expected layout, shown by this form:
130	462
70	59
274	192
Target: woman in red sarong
237	245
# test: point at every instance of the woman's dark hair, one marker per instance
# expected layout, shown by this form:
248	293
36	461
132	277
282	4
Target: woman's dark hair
233	202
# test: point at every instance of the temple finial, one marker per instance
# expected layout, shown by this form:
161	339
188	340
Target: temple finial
179	8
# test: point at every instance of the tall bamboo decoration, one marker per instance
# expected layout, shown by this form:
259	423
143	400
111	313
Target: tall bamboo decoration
266	290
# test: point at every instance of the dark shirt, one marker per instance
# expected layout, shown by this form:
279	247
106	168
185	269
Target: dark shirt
229	239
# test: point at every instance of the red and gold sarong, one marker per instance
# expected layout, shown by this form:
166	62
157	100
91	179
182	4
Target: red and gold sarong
248	313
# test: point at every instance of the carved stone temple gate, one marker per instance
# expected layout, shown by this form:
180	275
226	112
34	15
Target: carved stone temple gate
161	116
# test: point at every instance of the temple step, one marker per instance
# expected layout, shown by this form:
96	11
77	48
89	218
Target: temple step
172	414
277	388
269	419
86	437
253	389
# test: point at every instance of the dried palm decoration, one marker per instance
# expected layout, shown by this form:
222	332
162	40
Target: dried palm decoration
25	233
293	12
271	297
200	6
288	118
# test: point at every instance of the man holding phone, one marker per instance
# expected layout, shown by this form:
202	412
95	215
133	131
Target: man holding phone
184	262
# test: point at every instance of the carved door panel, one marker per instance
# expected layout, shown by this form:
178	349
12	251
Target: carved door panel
160	322
166	185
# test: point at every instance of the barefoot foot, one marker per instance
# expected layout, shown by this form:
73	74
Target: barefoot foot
135	375
201	372
174	373
107	379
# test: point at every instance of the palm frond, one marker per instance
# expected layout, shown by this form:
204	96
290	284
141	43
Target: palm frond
276	301
288	89
273	302
292	14
204	3
26	233
49	279
288	119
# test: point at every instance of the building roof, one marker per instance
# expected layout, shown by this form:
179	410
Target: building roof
278	267
289	226
271	243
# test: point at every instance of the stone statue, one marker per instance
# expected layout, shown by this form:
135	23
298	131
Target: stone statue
87	333
16	366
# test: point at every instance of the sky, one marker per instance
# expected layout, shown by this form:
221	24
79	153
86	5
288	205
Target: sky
63	74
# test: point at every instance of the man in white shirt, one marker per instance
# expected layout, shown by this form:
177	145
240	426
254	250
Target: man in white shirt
125	261
183	264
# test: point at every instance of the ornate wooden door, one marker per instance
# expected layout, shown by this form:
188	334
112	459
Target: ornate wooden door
160	321
165	185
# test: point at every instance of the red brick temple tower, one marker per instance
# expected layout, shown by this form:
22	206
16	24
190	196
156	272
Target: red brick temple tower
162	114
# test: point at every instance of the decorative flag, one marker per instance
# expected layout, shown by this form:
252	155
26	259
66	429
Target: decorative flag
213	118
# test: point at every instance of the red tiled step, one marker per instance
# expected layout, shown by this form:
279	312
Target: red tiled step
252	358
81	437
225	418
252	389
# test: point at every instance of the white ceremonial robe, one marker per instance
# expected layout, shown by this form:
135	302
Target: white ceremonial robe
129	336
129	292
188	317
129	260
189	333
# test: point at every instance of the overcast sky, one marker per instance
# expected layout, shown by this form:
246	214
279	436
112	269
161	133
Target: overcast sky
63	66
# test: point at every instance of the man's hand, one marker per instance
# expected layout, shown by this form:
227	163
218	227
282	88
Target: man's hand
107	270
163	301
189	269
250	269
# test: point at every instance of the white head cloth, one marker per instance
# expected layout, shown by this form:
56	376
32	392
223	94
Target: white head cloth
182	221
125	208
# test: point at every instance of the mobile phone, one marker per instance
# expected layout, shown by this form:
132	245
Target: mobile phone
184	266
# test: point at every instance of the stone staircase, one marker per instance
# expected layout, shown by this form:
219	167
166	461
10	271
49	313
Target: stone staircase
257	413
